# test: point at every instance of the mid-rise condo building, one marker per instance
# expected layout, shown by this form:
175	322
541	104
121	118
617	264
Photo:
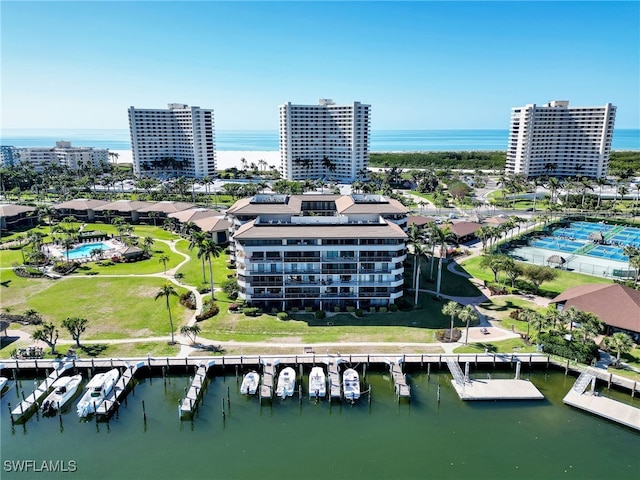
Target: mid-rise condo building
318	251
172	142
558	140
63	154
325	141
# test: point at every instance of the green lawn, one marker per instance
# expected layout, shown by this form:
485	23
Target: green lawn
192	270
502	346
9	257
115	307
133	349
563	281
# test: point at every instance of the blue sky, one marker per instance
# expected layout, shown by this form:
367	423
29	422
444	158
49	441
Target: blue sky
421	65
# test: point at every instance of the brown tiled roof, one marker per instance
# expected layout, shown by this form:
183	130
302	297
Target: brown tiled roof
193	214
80	204
252	231
616	305
292	206
123	206
10	210
166	207
347	205
419	220
212	224
462	229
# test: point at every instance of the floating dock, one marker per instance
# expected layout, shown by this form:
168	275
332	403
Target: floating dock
119	391
189	404
604	407
490	389
335	386
268	376
26	408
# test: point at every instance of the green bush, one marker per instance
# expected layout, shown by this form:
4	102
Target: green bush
283	316
320	314
558	345
372	309
336	309
210	309
294	309
393	307
383	310
252	311
308	309
359	312
351	309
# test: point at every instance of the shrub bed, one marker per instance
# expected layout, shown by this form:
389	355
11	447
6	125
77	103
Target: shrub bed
252	311
558	345
209	310
188	299
446	336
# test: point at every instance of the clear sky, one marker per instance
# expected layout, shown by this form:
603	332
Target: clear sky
421	65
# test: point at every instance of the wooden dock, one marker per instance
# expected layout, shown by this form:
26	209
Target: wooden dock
400	384
268	378
490	389
335	386
608	408
26	408
189	404
119	391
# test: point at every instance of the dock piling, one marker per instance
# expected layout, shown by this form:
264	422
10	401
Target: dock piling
438	396
144	412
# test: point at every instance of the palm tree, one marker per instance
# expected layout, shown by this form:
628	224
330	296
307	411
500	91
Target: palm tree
67	243
191	332
601	182
620	343
209	248
419	251
167	291
453	309
440	237
196	239
414	238
468	314
164	259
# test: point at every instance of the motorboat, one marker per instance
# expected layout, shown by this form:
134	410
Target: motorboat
286	383
351	384
3	384
317	382
250	383
96	390
63	390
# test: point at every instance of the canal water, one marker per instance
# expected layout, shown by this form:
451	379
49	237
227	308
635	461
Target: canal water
423	439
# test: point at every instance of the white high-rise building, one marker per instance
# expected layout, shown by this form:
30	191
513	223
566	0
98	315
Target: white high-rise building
325	141
561	141
62	154
178	141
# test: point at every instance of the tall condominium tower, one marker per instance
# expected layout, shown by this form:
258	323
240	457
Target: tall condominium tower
326	141
557	140
173	142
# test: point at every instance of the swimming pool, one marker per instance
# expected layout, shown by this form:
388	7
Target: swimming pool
85	250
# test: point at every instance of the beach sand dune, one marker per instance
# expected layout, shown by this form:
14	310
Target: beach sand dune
225	159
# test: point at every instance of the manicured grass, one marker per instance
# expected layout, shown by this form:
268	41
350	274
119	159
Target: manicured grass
192	270
502	346
142	267
15	290
563	281
133	349
115	307
9	257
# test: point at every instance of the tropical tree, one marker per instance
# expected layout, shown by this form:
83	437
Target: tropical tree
512	270
495	263
147	243
453	310
537	275
196	240
191	332
76	327
164	259
620	343
590	326
210	249
167	291
439	236
67	243
468	314
47	333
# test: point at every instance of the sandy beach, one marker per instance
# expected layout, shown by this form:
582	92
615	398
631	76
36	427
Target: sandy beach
225	159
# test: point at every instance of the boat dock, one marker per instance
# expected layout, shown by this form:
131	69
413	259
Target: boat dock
268	376
119	390
25	409
491	389
399	378
335	386
591	402
189	403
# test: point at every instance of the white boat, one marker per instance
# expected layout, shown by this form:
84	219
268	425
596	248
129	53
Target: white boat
351	384
250	383
286	383
317	382
96	391
63	390
3	383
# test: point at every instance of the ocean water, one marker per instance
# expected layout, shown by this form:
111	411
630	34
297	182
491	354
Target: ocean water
427	438
267	140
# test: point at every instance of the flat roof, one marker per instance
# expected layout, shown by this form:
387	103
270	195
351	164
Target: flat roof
349	230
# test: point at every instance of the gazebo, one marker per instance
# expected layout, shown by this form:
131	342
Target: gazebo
556	259
596	237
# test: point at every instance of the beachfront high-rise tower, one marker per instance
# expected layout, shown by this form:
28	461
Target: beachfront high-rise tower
325	141
178	141
561	141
